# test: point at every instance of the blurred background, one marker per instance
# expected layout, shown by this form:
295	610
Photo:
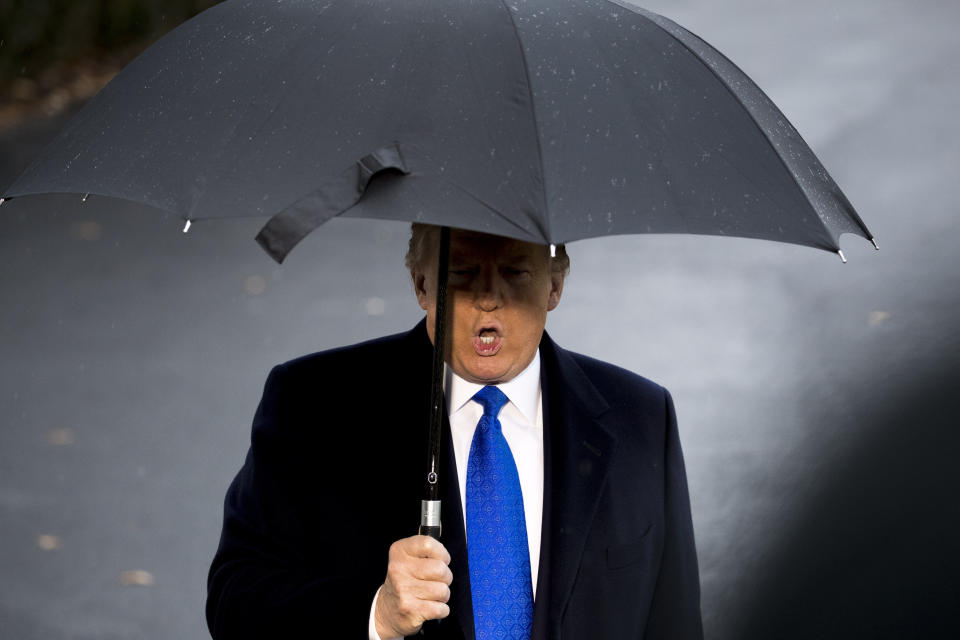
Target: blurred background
817	400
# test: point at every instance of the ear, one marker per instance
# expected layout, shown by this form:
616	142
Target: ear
556	290
420	288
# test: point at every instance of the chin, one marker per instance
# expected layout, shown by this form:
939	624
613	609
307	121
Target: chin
483	373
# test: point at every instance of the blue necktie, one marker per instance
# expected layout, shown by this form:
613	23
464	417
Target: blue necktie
497	550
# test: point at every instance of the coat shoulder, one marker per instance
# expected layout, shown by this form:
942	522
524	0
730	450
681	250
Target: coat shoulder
617	385
630	406
345	378
377	356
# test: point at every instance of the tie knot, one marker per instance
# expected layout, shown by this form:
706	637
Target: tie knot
492	400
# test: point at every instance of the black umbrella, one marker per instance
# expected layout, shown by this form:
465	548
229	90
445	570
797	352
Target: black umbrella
542	120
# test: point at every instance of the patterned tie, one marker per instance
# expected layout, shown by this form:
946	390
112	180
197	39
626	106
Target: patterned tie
496	531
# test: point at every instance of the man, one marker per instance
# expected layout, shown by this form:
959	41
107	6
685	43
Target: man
316	538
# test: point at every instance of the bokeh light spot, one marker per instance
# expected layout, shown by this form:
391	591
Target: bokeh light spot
876	318
255	285
88	230
375	306
136	578
48	542
61	437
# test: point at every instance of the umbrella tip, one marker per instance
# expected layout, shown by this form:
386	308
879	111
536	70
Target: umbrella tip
553	249
186	227
875	245
840	253
2	200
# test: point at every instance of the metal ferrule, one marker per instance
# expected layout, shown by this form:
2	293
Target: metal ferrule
429	513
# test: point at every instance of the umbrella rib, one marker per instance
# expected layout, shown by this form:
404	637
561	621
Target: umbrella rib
536	124
491	208
290	44
843	201
737	98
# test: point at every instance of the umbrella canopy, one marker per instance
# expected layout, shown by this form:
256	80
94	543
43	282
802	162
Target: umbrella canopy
542	120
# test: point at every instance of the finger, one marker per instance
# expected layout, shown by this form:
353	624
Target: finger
431	570
418	575
430	591
424	601
435	549
407	567
436	610
426	547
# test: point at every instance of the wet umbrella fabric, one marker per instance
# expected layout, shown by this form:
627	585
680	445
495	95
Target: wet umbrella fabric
541	120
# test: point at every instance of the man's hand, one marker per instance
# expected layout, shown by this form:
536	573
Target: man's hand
417	587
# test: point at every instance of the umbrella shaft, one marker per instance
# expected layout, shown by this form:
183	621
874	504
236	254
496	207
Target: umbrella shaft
429	525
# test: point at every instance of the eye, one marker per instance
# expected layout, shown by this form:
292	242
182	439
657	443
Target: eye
515	272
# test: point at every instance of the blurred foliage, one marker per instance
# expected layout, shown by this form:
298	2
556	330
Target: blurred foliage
36	35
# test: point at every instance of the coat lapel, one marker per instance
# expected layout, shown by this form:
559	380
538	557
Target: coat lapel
577	454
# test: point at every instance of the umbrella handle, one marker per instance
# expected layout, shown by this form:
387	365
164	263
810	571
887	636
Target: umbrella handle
433	532
430	518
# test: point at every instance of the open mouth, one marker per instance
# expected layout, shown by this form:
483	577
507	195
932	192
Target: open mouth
487	341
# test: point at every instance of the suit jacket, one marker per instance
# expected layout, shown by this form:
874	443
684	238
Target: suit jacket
334	476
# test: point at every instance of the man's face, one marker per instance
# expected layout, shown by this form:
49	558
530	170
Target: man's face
498	296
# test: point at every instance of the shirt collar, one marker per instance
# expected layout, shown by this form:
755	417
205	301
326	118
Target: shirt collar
523	390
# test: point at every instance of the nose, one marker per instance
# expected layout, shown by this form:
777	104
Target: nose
488	289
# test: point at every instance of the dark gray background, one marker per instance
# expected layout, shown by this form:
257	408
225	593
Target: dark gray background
132	356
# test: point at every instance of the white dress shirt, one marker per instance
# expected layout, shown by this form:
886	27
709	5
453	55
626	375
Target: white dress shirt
522	421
